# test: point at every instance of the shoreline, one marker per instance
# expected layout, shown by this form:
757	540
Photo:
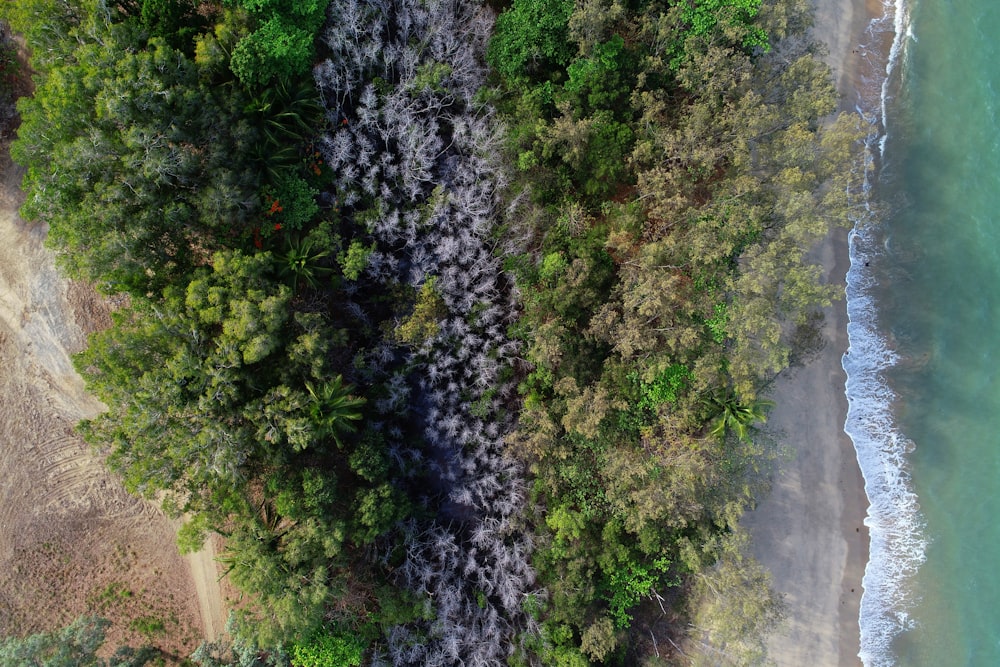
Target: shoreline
809	532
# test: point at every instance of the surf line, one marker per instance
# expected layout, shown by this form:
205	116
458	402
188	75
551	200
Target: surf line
896	527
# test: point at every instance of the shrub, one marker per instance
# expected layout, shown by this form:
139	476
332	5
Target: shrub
291	203
275	50
329	650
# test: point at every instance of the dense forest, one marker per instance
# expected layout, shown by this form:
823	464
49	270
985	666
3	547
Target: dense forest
455	321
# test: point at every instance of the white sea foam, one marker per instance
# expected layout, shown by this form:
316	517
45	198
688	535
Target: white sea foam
894	521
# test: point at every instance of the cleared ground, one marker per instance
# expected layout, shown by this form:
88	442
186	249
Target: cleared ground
72	541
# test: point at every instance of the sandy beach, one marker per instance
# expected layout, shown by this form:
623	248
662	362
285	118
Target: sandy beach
809	532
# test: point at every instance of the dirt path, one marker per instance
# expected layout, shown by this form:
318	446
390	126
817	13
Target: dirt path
205	574
72	541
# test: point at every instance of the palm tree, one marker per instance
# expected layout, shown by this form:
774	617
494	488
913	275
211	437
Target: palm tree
301	262
729	414
286	119
332	408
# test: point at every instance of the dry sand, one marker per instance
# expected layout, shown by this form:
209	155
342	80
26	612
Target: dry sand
809	532
72	541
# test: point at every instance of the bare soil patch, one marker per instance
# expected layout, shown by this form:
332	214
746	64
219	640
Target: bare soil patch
72	540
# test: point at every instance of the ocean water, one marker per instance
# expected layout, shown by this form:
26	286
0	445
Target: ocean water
924	360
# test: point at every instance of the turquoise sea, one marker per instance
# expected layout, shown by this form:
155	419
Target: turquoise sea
924	362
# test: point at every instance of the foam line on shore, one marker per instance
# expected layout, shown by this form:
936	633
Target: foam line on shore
897	541
896	527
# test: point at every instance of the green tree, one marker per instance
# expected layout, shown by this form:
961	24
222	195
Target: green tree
275	50
734	608
181	374
9	76
213	382
222	398
75	645
592	20
175	21
49	26
354	260
136	162
717	156
601	79
424	322
279	48
289	576
599	639
531	38
702	18
286	115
